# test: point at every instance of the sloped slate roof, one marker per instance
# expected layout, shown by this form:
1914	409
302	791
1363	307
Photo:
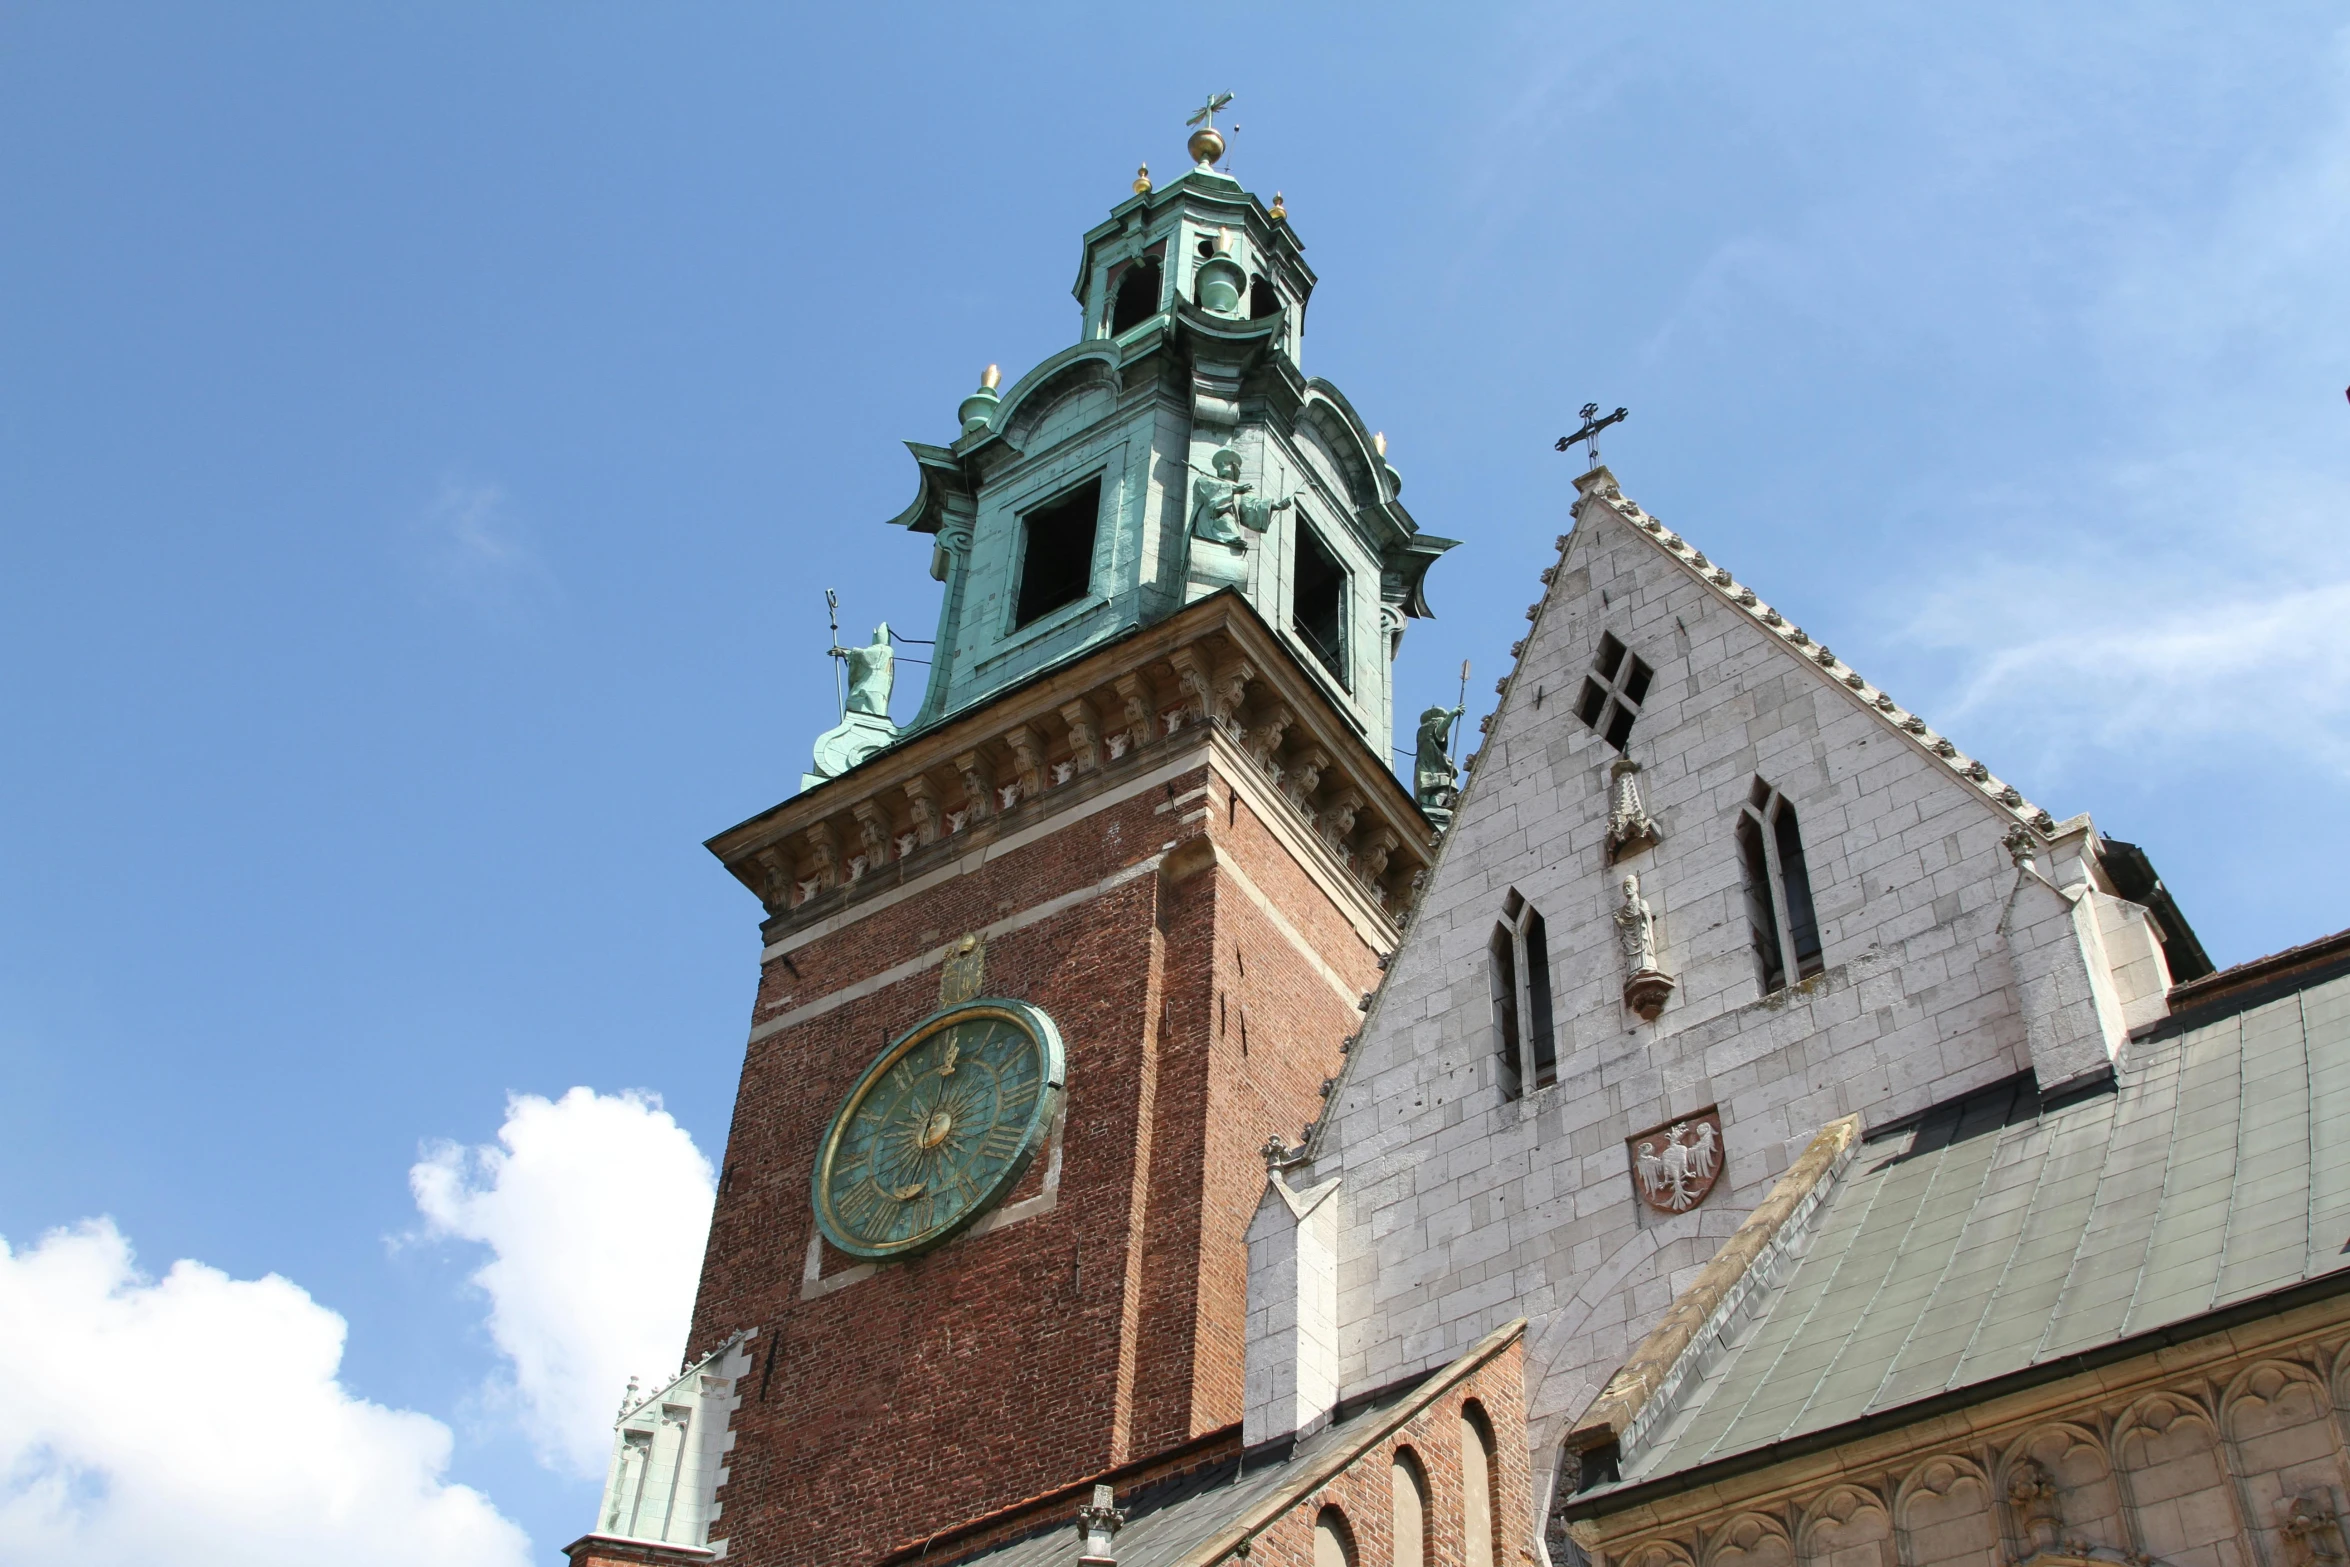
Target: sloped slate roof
1212	1513
2000	1233
1166	1522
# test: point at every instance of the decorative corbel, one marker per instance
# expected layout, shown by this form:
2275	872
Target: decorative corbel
1264	737
1134	693
922	803
1304	777
1028	759
1191	677
1085	735
1371	860
1338	817
824	854
873	831
775	879
978	785
1229	690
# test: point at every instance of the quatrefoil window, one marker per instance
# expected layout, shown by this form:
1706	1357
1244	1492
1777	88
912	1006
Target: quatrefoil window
1613	692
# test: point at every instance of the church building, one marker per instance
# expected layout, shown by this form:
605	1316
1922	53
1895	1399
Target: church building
1725	1126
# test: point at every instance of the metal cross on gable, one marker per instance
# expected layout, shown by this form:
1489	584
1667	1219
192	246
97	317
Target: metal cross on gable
1593	423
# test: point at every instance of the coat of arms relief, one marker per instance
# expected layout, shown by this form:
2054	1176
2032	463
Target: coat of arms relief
1676	1164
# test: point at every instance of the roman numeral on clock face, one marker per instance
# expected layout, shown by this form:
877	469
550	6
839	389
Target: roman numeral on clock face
932	1135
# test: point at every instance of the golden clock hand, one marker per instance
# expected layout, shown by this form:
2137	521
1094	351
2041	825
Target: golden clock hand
954	1049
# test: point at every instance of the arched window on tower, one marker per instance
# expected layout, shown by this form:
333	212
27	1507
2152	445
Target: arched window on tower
1480	1478
1409	1485
1518	971
1778	890
1138	296
1334	1542
1263	299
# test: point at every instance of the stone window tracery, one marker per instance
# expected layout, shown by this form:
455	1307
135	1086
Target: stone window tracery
1613	691
1778	890
1518	970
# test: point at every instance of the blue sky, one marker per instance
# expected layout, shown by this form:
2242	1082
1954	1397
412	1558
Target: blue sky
426	431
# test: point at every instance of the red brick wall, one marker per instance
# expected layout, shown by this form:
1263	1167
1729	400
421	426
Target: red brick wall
1363	1493
1006	1364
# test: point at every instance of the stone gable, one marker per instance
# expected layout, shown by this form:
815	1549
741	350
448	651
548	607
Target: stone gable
1462	1206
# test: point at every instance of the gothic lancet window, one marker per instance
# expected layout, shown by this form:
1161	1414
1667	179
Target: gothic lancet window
1614	690
1525	1041
1778	890
1056	552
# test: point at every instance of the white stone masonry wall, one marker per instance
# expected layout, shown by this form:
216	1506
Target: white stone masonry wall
1460	1210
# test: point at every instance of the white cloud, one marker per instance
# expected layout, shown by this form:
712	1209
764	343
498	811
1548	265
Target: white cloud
595	1208
2262	673
477	549
2191	595
199	1418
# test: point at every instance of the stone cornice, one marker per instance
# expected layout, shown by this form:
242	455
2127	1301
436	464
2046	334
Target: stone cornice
1212	677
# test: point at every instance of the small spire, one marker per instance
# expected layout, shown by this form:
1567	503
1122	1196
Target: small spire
1280	211
992	377
1142	180
1379	442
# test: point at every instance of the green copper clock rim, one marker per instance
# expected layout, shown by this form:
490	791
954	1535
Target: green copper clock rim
1042	1032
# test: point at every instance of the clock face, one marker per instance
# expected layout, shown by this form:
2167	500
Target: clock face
938	1129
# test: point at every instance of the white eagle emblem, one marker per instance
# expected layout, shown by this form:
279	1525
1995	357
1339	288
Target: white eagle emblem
1676	1170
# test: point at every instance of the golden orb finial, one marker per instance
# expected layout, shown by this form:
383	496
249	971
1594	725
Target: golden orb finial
1142	180
992	377
1280	210
1379	443
1207	143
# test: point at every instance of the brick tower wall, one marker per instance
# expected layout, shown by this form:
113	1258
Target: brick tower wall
895	1401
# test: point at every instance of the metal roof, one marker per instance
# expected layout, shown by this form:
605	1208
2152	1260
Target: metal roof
2000	1233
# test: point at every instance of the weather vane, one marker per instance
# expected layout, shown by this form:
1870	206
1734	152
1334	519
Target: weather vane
839	693
1207	142
1589	434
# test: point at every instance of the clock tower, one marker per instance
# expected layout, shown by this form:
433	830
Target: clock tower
1051	972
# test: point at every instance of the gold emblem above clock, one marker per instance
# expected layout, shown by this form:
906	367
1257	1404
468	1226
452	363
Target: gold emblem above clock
940	1127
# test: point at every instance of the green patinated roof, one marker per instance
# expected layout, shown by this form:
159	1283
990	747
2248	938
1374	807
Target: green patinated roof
2001	1234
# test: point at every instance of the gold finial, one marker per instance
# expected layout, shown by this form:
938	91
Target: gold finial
1379	443
1279	211
993	377
1142	180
